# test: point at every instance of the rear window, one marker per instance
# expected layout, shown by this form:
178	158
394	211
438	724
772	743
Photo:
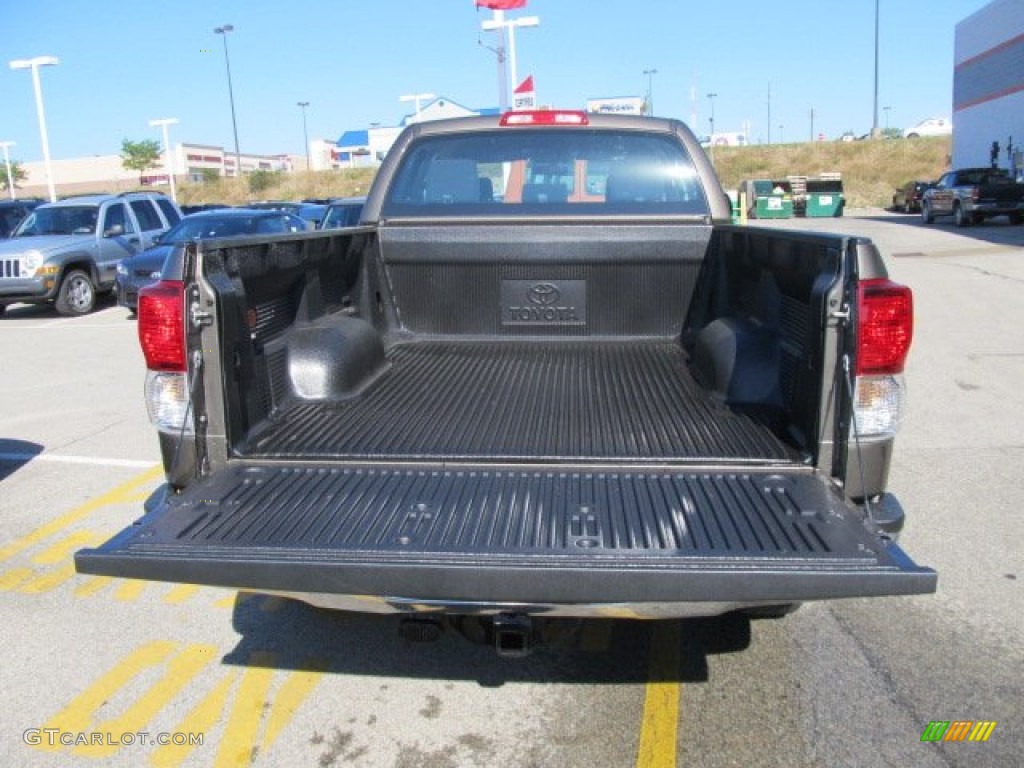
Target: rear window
563	171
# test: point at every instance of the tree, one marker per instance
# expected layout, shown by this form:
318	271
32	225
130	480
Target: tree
140	155
17	173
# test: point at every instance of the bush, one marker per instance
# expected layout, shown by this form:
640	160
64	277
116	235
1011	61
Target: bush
260	181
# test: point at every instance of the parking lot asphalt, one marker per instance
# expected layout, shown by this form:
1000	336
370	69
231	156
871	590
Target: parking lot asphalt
115	666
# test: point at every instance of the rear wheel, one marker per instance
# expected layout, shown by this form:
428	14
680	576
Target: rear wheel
959	217
926	213
77	295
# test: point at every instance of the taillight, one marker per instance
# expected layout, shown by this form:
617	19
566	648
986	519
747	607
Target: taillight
162	325
545	117
885	326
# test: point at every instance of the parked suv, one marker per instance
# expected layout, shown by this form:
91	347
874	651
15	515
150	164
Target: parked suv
67	252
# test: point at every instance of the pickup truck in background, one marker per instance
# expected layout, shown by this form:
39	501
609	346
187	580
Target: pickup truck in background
67	252
544	377
971	195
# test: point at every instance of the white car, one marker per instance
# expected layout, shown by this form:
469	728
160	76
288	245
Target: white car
933	126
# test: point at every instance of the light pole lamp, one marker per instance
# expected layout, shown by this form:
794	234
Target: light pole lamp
34	64
223	32
417	98
305	132
168	165
650	73
711	98
7	164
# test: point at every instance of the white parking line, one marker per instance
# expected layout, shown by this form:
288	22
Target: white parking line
59	459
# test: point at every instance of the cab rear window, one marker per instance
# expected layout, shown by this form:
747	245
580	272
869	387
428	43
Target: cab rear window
545	171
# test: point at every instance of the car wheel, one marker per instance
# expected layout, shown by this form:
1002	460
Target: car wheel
959	217
926	213
3	308
912	136
77	295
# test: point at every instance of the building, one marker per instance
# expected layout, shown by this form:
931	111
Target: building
368	147
105	173
988	87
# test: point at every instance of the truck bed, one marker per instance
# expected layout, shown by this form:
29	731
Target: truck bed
537	401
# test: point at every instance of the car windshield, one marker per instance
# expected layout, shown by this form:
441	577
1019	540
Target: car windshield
517	171
59	220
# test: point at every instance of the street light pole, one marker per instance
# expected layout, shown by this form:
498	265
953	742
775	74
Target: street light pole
305	133
223	32
711	98
650	90
168	165
874	122
34	64
7	163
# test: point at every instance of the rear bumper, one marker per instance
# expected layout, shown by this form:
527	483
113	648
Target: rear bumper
664	544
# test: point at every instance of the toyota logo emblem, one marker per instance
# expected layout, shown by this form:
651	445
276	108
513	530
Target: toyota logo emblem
544	294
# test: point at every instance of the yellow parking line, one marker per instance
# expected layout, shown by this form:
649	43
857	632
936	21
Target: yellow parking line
130	590
12	578
92	585
44	582
202	719
178	673
239	740
181	593
62	549
117	495
660	725
293	692
77	716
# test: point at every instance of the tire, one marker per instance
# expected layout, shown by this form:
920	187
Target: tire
912	136
926	213
960	218
77	294
3	308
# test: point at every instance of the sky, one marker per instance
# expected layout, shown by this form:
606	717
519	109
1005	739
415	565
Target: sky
124	63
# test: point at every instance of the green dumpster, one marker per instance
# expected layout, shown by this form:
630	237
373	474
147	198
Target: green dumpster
769	199
825	198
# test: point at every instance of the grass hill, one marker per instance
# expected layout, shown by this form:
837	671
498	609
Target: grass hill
871	170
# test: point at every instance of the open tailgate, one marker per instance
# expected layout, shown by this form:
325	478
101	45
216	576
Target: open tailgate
484	534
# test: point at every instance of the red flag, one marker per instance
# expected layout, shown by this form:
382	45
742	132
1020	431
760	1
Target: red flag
500	5
526	86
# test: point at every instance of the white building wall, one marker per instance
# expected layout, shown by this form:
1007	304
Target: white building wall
988	94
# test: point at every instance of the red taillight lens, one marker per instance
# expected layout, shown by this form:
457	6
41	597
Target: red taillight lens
545	117
885	326
162	325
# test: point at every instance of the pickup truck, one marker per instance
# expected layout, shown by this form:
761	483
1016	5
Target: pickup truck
544	377
67	252
971	195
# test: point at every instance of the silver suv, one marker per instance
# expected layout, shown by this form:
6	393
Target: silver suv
67	252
